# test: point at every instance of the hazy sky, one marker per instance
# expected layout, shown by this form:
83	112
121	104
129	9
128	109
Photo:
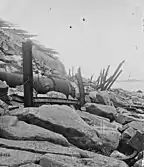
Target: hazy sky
112	32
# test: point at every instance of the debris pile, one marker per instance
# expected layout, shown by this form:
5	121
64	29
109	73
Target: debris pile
74	122
11	39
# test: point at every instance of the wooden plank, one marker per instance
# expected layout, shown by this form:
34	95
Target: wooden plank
27	73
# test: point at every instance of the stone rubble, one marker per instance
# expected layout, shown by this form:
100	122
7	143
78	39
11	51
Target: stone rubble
61	136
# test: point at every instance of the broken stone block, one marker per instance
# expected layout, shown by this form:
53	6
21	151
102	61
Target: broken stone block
11	128
125	118
117	100
11	157
139	163
87	99
30	165
140	155
92	96
92	119
63	161
44	147
63	120
110	137
103	98
116	154
3	88
116	124
137	125
128	133
101	110
137	141
107	132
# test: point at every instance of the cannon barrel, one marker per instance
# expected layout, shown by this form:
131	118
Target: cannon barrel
42	85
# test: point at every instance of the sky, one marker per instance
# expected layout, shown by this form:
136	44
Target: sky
113	31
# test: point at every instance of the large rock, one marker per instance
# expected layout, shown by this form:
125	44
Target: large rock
117	100
116	124
125	118
3	89
63	120
110	137
139	163
92	96
63	161
101	110
92	119
116	154
11	128
30	165
44	147
136	125
107	132
128	133
12	158
103	98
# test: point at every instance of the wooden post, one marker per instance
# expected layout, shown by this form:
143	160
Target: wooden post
81	87
27	73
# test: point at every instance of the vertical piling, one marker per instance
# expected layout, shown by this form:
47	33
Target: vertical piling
81	87
27	73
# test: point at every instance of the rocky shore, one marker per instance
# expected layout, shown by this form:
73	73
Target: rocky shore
58	135
106	132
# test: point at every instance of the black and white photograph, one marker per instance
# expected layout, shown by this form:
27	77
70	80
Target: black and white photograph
72	83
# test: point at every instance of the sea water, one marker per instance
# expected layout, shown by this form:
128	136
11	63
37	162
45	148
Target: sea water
130	86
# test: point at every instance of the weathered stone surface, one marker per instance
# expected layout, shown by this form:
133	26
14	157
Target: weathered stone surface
139	163
63	161
116	124
103	98
128	133
92	119
14	158
110	137
92	96
107	132
125	118
44	147
64	120
101	110
140	155
117	100
140	111
116	154
137	125
121	110
120	118
125	148
30	165
11	128
87	99
3	89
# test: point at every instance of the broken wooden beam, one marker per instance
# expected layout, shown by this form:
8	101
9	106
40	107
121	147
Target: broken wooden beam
27	73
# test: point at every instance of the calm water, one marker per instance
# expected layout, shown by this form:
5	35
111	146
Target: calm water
131	86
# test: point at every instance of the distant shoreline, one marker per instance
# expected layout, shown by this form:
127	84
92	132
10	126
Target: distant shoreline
130	80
